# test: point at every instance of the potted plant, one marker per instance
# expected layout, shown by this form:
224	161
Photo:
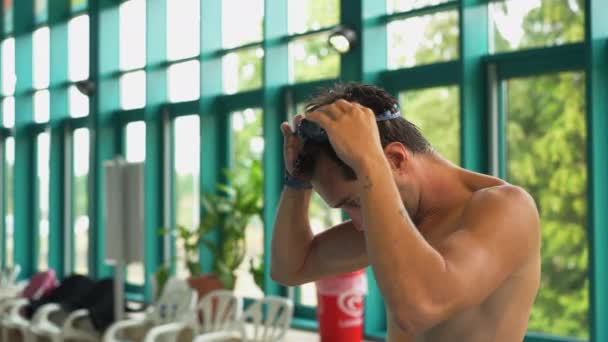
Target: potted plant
230	210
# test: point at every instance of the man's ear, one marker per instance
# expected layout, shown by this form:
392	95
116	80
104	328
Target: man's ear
398	156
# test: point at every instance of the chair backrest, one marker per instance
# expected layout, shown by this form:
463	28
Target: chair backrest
10	275
219	310
176	303
41	284
270	317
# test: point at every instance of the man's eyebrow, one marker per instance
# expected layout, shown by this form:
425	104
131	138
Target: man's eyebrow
340	203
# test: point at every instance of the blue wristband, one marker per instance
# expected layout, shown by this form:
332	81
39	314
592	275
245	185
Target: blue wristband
295	183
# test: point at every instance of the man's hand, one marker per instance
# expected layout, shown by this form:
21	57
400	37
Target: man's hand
292	145
352	131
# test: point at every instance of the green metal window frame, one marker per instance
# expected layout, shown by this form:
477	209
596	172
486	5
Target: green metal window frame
367	62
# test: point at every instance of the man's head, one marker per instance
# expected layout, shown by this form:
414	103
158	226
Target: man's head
332	178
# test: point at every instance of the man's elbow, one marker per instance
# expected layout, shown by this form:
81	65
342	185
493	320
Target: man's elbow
283	278
418	318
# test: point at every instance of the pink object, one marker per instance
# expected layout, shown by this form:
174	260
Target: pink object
340	307
41	284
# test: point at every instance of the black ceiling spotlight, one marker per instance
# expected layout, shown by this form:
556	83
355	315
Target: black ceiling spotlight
342	38
86	87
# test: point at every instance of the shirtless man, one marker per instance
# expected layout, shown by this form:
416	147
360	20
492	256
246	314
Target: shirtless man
456	254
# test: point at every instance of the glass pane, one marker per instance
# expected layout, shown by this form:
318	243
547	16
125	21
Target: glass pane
408	5
44	150
9	77
78	48
239	29
309	15
247	150
78	5
79	103
9	150
136	142
311	59
41	54
41	10
80	200
8	109
133	90
242	70
436	113
132	34
546	140
520	24
135	137
437	40
187	170
322	217
183	28
8	16
184	84
41	106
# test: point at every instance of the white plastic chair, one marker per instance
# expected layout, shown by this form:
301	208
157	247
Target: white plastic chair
219	310
258	324
11	318
176	304
43	325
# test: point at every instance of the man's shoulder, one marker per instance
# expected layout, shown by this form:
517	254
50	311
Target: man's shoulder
503	205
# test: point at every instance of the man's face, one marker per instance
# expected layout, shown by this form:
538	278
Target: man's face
338	192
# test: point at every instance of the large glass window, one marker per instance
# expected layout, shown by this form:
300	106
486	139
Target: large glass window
247	150
186	182
133	90
546	144
311	58
135	145
78	48
79	102
423	40
8	66
8	112
242	70
310	15
183	28
80	200
43	163
41	57
184	81
132	34
9	153
436	112
42	106
520	24
239	29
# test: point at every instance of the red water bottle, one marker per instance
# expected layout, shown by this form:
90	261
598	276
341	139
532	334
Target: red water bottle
340	307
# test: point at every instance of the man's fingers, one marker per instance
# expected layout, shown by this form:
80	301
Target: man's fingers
344	105
286	129
320	118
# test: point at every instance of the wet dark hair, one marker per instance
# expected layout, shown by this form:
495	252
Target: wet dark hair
374	98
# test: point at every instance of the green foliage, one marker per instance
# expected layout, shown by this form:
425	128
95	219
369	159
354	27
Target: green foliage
229	210
81	198
435	112
257	270
546	155
9	188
